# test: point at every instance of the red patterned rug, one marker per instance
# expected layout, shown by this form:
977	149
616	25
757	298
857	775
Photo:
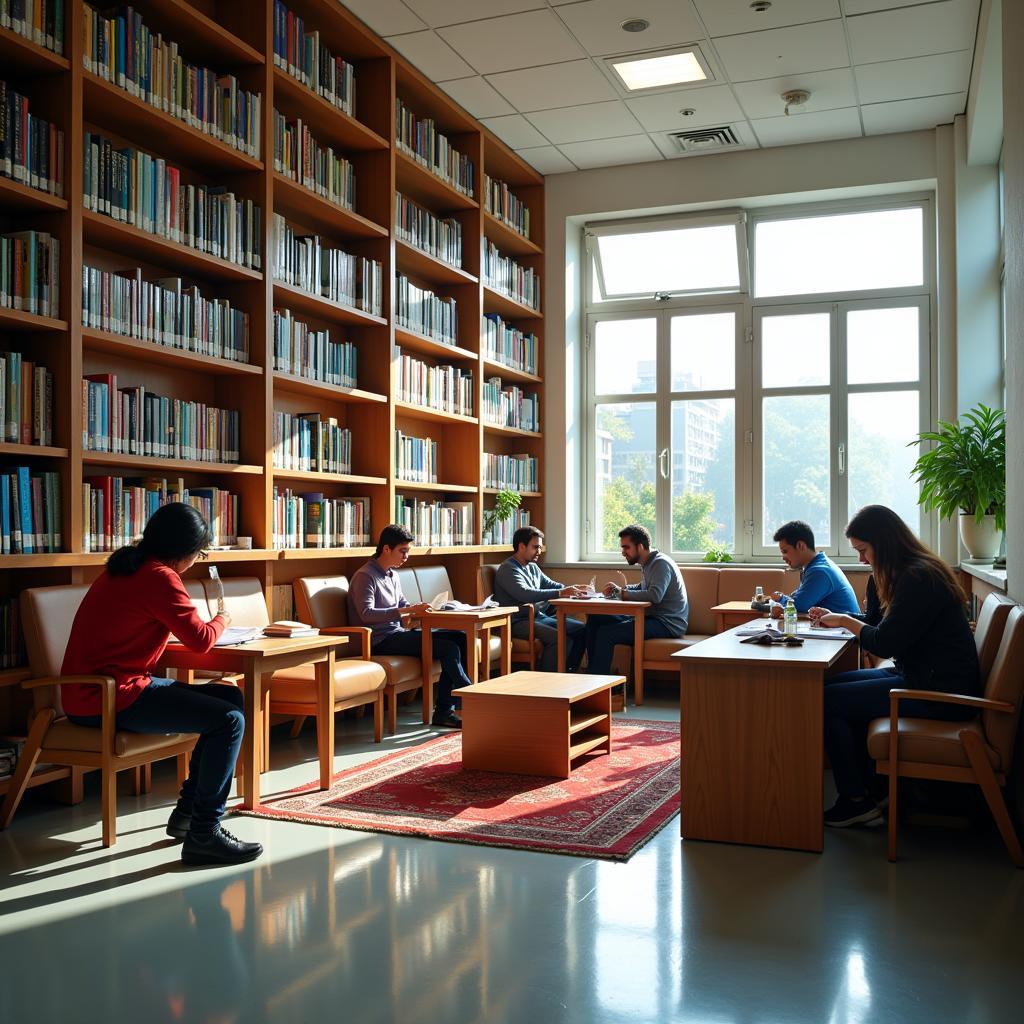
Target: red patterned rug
609	807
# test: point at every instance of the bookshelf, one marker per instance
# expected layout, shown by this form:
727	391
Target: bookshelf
238	40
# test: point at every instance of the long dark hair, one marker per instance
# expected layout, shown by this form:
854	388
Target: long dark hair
174	531
897	551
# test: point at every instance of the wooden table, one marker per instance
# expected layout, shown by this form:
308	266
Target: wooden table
472	623
536	723
752	739
605	606
735	613
256	661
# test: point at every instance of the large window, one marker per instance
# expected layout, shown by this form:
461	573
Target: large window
715	416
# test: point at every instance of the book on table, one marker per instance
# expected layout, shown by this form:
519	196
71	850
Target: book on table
287	628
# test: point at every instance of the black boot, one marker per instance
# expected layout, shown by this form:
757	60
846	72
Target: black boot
179	822
219	847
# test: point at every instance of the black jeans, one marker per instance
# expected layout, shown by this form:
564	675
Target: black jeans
853	700
215	712
449	648
606	632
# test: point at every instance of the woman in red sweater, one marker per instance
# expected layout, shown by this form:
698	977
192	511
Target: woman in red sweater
121	630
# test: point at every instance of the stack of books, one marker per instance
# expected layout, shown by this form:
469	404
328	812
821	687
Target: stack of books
415	459
31	148
507	344
311	443
30	272
510	472
26	401
289	629
420	139
30	511
420	310
500	202
419	227
304	351
445	388
510	406
42	21
504	275
299	156
311	520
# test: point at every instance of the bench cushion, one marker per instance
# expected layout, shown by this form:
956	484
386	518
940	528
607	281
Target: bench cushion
65	735
352	678
927	741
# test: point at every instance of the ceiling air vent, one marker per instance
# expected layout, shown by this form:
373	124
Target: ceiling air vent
703	139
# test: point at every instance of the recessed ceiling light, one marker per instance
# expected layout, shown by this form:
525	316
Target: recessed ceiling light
635	25
655	72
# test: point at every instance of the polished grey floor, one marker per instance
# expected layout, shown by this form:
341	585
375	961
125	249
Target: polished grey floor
335	925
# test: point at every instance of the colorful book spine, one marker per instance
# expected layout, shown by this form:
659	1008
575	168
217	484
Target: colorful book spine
420	310
311	520
41	21
415	459
510	406
30	272
26	401
419	138
502	529
31	148
30	511
304	351
504	275
509	345
502	203
436	523
510	472
445	388
319	168
311	443
440	238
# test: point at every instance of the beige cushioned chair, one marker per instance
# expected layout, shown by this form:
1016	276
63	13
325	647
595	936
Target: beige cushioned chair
525	651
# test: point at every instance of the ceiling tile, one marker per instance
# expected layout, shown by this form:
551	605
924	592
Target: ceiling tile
632	150
910	115
515	131
597	24
808	127
728	17
867	6
918	76
714	105
477	97
672	151
385	17
432	55
551	86
452	12
547	160
516	41
829	90
589	121
913	31
784	51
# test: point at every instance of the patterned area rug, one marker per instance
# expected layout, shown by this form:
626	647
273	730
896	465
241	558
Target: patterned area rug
608	808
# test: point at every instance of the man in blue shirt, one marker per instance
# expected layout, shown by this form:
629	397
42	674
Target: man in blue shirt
822	582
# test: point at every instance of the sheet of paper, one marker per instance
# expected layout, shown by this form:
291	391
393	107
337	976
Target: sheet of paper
439	601
239	635
825	633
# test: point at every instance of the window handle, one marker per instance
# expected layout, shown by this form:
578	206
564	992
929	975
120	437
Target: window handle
663	463
841	458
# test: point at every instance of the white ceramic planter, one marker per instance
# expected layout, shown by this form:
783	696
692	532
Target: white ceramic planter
981	539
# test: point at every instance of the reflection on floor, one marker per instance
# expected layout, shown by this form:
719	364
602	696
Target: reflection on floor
335	925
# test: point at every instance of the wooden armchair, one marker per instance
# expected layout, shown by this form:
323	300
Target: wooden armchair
524	651
47	614
978	751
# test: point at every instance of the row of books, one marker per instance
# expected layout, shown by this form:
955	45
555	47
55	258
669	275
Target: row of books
305	58
115	510
501	530
26	401
509	406
12	647
304	351
321	169
420	310
504	343
310	263
135	188
415	459
31	148
41	21
30	272
420	139
419	227
120	48
501	202
310	520
440	523
166	311
30	511
503	274
510	472
445	388
134	421
311	443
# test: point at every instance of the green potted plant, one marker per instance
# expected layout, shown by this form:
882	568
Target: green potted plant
505	505
717	553
964	472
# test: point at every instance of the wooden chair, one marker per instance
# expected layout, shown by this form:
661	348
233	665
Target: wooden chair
47	615
524	651
323	601
978	751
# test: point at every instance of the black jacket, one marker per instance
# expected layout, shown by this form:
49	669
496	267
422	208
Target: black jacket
926	633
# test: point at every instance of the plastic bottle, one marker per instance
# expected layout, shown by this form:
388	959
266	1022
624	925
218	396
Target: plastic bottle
758	595
789	618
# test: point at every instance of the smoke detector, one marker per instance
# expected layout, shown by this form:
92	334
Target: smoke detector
635	25
760	6
794	98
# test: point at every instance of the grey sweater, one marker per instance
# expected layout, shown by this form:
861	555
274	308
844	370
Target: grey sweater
662	585
518	584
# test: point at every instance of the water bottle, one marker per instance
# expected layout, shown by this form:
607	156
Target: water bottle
789	617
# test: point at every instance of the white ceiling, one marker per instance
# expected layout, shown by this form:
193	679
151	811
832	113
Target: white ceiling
533	71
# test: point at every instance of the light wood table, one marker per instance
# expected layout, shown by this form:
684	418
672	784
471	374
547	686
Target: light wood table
752	739
735	613
256	661
536	723
604	606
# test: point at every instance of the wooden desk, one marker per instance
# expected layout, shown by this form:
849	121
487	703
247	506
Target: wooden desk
735	613
536	723
752	739
256	662
472	623
604	606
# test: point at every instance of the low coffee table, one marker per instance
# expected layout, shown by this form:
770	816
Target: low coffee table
536	723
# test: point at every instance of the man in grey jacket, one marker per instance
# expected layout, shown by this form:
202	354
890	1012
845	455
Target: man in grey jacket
521	581
661	584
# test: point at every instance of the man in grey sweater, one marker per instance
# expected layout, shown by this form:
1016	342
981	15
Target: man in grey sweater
661	584
521	581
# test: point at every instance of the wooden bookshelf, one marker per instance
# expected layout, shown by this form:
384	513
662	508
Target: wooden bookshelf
238	39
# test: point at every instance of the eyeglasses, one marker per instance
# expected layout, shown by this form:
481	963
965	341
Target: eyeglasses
203	554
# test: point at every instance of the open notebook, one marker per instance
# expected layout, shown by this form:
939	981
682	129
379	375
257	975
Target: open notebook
443	603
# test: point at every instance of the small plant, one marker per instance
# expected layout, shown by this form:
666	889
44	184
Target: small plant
717	553
505	504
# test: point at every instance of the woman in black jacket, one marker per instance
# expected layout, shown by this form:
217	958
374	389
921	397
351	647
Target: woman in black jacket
916	615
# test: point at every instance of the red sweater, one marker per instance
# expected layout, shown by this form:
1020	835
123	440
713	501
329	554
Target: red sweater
121	630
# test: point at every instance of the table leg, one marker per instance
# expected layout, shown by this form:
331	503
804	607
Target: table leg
472	669
561	637
325	717
638	655
505	632
252	740
485	653
427	657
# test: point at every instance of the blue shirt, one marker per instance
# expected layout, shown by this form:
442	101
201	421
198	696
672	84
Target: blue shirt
824	585
375	599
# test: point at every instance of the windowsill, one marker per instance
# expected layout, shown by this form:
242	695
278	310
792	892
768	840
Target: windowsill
984	572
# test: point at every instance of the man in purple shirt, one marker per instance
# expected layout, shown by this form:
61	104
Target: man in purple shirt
375	599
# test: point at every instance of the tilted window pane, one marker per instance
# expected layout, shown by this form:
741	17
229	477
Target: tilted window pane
704	352
882	345
624	471
703	474
625	357
840	252
795	350
795	432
